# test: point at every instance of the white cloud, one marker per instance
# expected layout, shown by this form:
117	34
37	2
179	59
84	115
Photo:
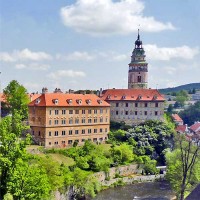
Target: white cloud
77	55
32	66
166	53
24	55
102	17
65	73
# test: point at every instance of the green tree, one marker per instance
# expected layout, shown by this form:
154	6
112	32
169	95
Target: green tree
182	166
17	98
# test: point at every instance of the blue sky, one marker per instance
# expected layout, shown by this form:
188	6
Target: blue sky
87	44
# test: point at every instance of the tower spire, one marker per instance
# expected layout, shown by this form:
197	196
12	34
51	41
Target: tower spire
138	34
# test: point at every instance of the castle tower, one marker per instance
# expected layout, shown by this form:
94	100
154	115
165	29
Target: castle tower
138	68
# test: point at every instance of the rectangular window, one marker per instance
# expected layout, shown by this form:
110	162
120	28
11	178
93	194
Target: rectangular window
83	112
83	140
76	132
70	141
56	133
117	104
95	111
56	143
156	104
70	121
89	131
63	142
49	143
117	112
56	112
63	112
100	130
83	131
94	139
101	119
49	133
63	132
101	110
95	130
49	122
95	120
156	112
63	121
126	104
126	112
83	121
106	130
76	111
89	121
89	111
70	112
145	112
76	121
70	132
56	121
146	105
136	104
49	112
135	112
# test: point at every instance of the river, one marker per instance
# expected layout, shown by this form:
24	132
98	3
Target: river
139	191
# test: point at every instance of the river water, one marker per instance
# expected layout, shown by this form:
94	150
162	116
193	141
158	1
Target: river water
139	191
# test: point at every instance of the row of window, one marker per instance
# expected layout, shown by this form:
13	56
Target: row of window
64	112
136	104
78	121
81	140
76	132
134	112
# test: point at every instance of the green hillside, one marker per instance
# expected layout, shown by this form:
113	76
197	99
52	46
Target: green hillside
187	87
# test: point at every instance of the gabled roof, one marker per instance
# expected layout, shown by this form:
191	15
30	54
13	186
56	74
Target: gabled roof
181	128
177	118
195	127
132	95
69	100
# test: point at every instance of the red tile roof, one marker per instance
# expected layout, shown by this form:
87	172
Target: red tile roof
132	95
195	127
177	118
181	128
69	100
2	97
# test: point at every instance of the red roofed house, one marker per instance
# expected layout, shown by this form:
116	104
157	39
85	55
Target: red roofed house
134	106
58	119
182	128
177	119
195	128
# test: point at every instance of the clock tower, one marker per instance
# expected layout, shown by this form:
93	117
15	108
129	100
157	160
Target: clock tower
138	67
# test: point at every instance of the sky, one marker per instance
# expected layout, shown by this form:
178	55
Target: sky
87	44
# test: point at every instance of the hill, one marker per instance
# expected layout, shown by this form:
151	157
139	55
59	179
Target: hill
187	87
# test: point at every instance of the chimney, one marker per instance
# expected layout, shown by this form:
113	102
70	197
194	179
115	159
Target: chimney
44	90
58	90
100	92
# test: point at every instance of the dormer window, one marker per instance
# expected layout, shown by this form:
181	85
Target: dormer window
69	101
99	101
124	97
55	101
108	97
155	97
79	101
37	101
139	96
88	101
132	96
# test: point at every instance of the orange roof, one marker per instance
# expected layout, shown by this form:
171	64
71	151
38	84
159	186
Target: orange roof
176	118
69	100
181	128
33	96
2	97
132	95
195	127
